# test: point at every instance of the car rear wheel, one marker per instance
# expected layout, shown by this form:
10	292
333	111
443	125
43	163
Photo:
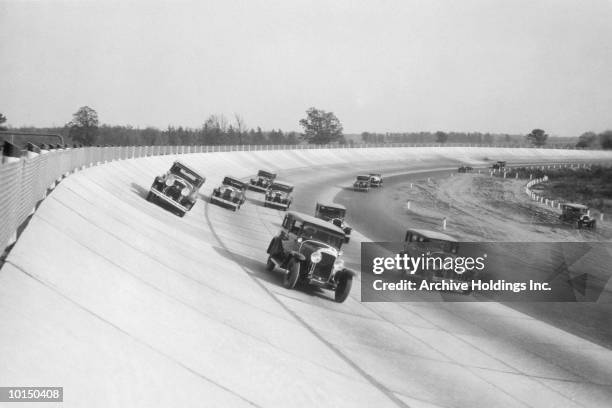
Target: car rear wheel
344	288
292	275
150	196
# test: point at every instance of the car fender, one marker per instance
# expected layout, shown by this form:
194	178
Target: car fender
274	245
346	272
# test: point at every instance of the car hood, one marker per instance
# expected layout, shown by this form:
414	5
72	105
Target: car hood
309	246
278	193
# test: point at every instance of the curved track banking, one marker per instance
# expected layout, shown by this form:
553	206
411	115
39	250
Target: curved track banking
105	291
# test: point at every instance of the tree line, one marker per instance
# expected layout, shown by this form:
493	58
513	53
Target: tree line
594	140
319	127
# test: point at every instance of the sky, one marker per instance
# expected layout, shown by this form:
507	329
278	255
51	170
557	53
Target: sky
500	66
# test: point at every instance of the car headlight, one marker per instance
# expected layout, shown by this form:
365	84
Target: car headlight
169	181
338	263
315	257
185	192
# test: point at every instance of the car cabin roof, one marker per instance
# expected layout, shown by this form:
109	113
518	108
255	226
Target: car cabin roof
364	175
433	235
575	205
284	183
234	180
188	168
330	204
316	221
266	172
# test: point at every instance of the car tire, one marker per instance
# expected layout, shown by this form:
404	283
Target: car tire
150	197
291	277
346	240
269	264
344	288
180	213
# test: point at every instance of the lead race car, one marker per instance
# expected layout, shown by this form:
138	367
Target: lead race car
231	193
308	250
178	188
279	195
334	213
262	182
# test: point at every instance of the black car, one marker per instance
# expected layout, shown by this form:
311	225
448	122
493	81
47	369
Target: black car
177	189
308	249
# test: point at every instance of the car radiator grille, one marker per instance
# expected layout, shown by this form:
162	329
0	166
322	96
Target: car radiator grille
323	269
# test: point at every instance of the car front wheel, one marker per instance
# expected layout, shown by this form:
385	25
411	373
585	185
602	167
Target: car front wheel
292	275
344	288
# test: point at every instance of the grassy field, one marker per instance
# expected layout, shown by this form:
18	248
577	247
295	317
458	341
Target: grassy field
589	186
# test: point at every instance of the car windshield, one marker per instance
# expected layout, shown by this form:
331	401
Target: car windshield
331	212
281	187
318	233
446	246
184	173
228	181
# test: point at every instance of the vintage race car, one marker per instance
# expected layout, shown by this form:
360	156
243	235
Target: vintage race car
279	195
578	215
438	246
499	165
230	193
177	189
308	249
262	182
362	183
376	180
334	213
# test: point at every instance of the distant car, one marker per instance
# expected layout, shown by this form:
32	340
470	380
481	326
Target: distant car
362	183
577	214
334	213
438	245
308	249
278	195
499	165
230	193
465	169
376	180
262	181
178	188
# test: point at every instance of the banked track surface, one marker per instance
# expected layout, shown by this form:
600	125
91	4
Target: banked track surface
124	304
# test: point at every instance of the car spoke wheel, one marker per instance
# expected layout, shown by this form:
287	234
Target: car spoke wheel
292	275
344	288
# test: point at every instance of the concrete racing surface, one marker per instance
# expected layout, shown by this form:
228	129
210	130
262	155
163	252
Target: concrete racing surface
125	304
